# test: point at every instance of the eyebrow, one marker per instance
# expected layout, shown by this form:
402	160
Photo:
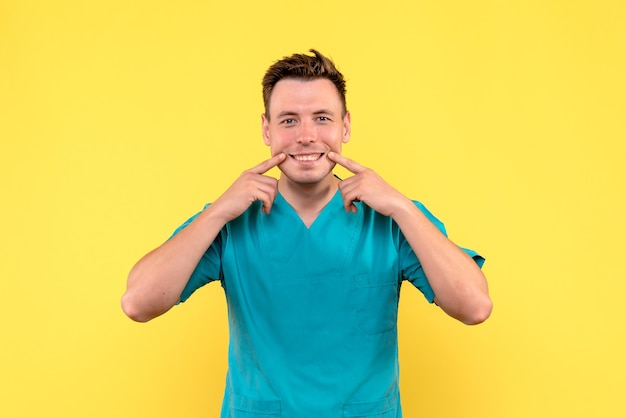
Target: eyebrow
317	112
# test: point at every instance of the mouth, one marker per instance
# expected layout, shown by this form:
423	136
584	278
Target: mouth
306	158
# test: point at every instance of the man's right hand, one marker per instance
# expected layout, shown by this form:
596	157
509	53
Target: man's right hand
252	185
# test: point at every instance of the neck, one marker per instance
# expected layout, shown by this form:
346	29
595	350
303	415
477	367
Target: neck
308	200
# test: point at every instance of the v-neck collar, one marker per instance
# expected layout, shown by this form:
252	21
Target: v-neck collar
336	202
293	249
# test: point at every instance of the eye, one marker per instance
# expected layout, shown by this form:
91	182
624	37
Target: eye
288	122
323	119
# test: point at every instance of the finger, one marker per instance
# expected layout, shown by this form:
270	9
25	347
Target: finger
267	198
349	206
350	165
265	192
267	164
349	197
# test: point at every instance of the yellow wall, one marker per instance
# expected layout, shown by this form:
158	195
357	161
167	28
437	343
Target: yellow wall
120	119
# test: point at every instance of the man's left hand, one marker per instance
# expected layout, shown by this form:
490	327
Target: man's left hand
368	187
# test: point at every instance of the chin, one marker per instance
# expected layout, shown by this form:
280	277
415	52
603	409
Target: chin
306	179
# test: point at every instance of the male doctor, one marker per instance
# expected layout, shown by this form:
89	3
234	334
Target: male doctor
311	264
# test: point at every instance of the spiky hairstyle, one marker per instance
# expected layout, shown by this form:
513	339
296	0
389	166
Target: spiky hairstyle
304	67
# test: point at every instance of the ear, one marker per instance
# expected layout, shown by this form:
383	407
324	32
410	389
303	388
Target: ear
346	128
265	128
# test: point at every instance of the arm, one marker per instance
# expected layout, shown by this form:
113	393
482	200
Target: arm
156	282
459	285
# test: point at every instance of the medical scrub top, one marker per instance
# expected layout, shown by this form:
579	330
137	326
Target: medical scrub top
312	311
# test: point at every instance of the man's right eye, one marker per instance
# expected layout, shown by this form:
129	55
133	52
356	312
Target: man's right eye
288	121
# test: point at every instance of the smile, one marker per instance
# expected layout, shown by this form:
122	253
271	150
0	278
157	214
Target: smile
306	157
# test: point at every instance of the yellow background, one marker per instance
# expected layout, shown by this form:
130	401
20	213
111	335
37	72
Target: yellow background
120	119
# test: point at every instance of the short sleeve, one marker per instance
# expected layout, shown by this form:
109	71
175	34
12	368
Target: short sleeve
410	265
209	267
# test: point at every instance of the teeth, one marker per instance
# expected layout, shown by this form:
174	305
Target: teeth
307	157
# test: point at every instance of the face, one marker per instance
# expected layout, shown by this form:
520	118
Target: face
305	122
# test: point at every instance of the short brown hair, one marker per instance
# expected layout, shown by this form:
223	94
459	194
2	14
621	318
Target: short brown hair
305	67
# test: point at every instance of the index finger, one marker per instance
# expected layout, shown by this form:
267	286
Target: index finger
350	165
267	164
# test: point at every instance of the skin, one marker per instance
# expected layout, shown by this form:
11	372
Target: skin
305	130
307	119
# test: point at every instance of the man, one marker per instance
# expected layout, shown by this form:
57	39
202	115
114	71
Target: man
311	265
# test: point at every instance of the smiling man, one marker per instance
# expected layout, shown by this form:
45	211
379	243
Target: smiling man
311	265
306	120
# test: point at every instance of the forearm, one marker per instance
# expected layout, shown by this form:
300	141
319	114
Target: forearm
458	283
156	282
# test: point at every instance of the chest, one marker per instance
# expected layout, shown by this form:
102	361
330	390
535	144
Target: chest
340	275
336	244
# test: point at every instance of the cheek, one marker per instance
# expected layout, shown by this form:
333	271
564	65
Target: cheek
334	143
278	143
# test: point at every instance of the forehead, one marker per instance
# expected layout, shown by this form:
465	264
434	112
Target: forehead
301	96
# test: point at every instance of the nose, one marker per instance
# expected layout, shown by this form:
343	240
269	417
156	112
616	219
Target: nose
308	133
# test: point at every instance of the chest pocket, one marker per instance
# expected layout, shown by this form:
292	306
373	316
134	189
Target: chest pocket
385	408
376	295
242	407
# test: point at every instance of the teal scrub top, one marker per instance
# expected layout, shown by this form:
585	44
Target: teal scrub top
312	311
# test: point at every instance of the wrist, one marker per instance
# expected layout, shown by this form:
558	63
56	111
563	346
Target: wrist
212	215
404	208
